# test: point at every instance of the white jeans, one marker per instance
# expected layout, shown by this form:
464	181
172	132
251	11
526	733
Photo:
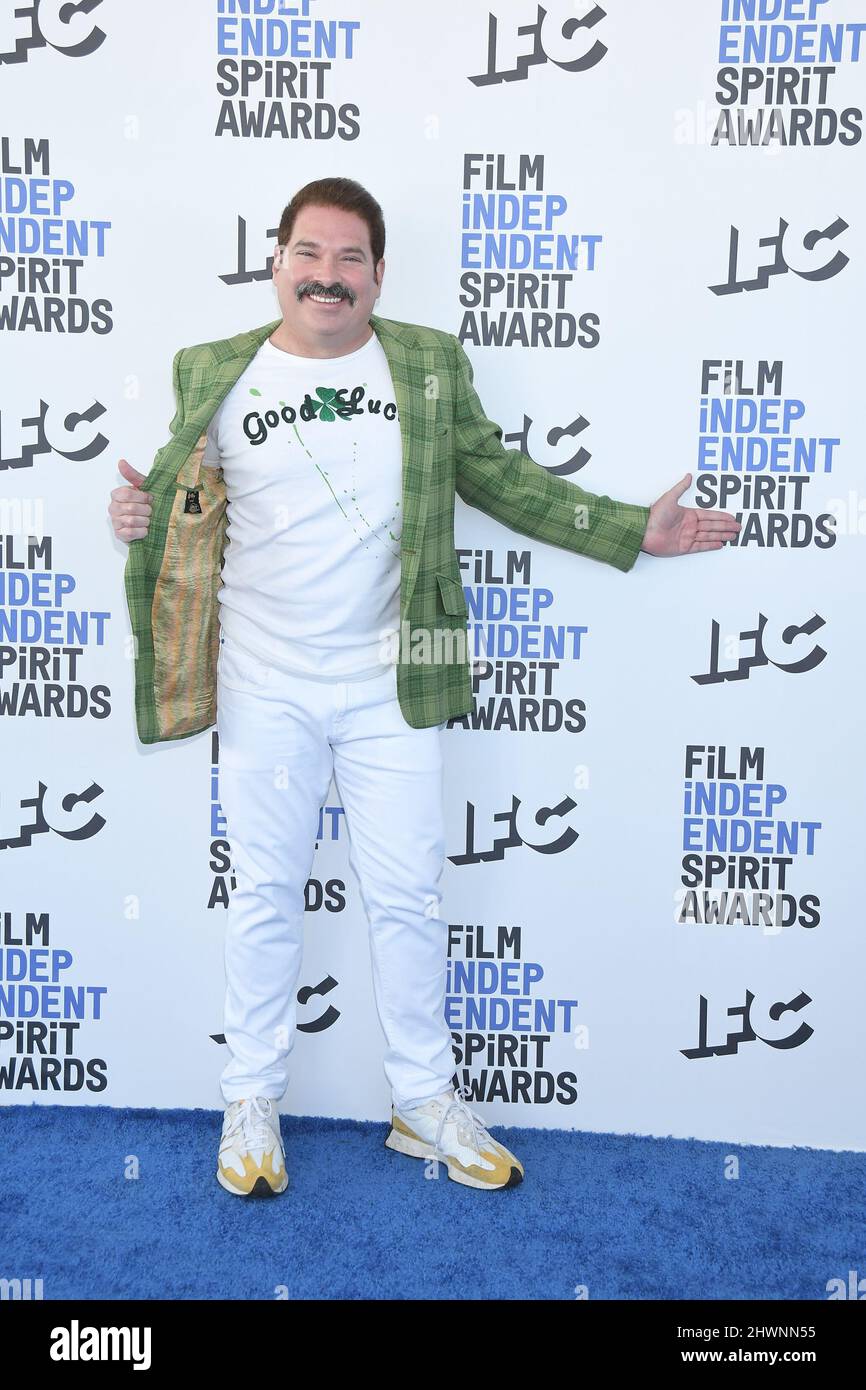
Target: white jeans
280	739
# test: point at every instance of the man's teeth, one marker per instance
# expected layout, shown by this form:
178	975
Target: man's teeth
326	298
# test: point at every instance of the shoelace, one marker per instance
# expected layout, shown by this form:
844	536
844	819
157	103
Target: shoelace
252	1120
467	1123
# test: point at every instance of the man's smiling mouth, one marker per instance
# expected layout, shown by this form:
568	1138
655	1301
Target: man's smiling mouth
320	298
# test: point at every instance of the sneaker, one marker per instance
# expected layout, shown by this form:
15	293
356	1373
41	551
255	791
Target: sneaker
252	1162
445	1128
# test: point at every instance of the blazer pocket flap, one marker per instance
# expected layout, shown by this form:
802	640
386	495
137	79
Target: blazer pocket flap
453	598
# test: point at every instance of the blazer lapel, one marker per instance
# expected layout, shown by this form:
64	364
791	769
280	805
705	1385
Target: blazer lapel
212	383
412	367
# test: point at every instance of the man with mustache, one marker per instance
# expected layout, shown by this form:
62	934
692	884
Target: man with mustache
333	441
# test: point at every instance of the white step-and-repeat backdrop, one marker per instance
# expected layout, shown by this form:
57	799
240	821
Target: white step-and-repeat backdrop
645	223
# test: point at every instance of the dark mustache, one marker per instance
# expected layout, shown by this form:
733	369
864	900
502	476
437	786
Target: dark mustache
314	287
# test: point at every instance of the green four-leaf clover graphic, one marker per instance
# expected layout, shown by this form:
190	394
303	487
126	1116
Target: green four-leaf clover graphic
328	395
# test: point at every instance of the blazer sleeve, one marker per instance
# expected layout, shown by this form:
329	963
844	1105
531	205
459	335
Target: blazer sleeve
510	486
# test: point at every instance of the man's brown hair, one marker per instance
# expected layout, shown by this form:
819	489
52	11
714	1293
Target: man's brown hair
337	193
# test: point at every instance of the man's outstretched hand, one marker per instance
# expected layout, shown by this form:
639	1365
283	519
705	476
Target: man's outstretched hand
676	530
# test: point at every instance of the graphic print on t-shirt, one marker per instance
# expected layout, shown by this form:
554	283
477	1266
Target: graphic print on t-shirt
329	406
311	454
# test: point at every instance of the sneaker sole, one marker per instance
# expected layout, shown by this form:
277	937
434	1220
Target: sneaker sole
262	1187
416	1148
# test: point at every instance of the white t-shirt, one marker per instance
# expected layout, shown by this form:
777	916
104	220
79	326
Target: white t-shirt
311	455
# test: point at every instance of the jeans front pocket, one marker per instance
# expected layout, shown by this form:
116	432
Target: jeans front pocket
238	670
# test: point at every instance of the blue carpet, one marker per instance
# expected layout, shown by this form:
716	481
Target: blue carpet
628	1217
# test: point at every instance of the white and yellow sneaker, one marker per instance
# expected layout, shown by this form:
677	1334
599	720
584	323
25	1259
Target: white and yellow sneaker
445	1128
251	1160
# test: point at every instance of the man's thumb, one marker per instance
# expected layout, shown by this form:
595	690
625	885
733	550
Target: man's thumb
131	474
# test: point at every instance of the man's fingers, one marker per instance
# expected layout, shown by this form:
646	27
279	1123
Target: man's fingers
709	526
130	511
131	495
129	516
727	517
706	533
140	507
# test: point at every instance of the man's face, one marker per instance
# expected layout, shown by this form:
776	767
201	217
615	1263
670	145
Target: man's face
328	257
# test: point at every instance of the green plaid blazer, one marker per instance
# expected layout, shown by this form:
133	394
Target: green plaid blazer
173	575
